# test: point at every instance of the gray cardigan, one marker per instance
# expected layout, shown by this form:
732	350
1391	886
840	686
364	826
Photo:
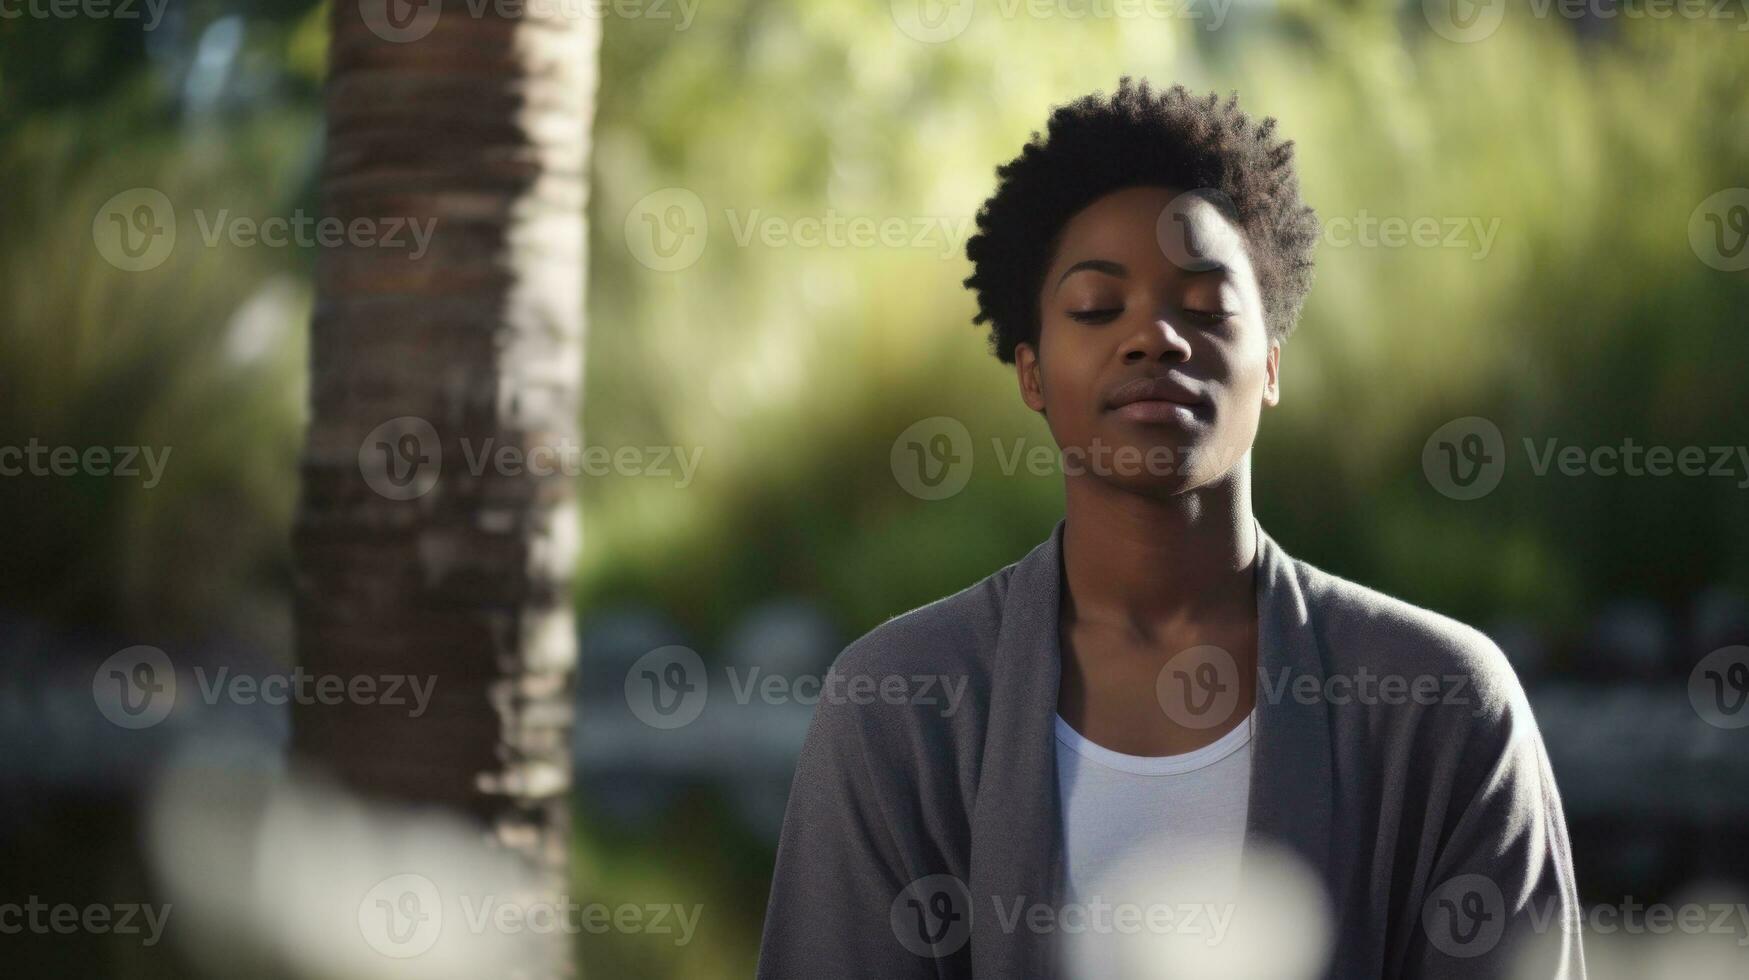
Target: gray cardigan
1430	819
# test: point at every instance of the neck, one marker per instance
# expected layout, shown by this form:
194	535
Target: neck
1149	563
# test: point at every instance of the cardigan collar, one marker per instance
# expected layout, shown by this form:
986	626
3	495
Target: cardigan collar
1016	845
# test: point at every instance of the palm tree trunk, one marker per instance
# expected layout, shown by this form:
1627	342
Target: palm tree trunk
417	555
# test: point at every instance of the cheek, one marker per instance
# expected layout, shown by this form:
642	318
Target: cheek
1068	393
1247	364
1058	370
1253	373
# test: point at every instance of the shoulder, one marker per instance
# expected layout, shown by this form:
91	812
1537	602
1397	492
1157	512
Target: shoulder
954	634
903	709
1363	631
1442	692
913	693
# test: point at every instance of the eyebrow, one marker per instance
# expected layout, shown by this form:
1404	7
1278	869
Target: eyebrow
1117	269
1106	266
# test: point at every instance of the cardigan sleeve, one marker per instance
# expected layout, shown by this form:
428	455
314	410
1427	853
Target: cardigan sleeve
1501	900
838	873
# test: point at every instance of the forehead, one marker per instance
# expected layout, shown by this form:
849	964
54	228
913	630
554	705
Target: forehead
1153	229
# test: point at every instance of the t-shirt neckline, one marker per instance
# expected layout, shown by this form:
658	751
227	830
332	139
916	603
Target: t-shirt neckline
1157	765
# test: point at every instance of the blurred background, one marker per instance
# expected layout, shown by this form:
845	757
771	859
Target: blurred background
1578	280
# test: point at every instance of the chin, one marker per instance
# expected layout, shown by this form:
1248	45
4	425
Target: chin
1169	460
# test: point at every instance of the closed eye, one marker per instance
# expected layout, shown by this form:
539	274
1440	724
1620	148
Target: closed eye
1095	316
1211	316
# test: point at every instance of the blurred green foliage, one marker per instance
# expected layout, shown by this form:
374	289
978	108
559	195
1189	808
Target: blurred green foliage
201	360
1588	319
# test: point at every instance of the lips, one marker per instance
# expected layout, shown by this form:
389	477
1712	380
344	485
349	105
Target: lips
1164	389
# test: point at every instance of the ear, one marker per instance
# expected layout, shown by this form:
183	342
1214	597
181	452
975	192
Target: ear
1032	391
1272	375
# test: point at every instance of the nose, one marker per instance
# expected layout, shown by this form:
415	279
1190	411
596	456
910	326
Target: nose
1158	341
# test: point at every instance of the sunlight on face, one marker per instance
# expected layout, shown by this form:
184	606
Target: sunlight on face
1151	285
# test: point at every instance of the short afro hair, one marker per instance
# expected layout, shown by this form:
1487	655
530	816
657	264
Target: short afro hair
1139	138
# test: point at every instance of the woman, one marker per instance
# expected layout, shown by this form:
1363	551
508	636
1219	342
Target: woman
1165	713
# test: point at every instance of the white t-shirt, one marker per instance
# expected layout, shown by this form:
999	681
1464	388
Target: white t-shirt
1127	817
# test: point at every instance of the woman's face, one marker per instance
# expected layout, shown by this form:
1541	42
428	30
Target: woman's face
1153	363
